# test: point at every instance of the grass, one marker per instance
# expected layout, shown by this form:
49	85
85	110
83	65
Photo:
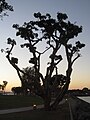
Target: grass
8	102
62	113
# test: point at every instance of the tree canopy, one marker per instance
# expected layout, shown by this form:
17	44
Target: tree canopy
4	6
55	33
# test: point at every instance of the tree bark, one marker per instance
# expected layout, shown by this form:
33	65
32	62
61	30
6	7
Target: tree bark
60	96
47	102
63	90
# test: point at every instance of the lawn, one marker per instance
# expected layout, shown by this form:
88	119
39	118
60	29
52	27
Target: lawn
11	101
62	113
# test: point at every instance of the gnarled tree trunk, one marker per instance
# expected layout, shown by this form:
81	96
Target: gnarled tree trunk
63	90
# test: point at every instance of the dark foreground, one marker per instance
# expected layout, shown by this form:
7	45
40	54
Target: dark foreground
72	109
62	113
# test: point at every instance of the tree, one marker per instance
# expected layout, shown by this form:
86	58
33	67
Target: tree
4	6
17	90
3	85
28	79
56	33
27	82
85	89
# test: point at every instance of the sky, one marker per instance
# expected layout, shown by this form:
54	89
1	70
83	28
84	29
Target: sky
77	10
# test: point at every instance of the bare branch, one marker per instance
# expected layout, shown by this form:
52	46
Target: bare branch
75	58
67	53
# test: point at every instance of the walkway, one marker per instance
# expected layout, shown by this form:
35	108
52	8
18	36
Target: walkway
19	109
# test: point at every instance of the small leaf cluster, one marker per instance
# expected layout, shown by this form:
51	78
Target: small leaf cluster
11	41
76	48
4	6
14	60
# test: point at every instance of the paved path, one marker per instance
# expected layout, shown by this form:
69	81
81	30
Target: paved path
19	109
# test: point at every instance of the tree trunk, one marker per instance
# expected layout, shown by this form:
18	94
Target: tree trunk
47	104
63	90
60	96
47	100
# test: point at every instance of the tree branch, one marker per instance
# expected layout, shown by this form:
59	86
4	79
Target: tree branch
75	59
67	53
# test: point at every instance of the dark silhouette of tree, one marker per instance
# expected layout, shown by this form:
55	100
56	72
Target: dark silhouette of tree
28	79
17	90
56	33
13	90
4	84
85	89
4	6
2	87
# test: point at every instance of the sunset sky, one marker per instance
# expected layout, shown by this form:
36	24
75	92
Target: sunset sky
77	10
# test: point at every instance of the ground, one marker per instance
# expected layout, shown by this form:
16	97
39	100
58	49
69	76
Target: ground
62	113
